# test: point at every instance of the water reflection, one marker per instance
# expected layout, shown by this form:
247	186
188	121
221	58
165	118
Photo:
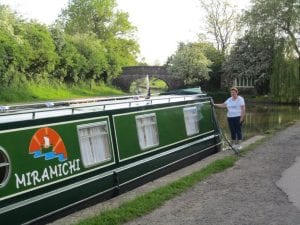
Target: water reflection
260	118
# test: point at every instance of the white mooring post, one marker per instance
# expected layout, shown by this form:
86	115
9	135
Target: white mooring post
148	87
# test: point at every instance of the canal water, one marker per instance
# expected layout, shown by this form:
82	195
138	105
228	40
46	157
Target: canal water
262	118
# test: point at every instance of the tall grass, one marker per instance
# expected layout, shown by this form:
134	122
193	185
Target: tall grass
43	91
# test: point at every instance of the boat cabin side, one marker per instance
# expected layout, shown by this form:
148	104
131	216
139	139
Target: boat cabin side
70	150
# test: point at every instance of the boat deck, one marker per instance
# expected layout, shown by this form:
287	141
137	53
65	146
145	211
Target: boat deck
24	112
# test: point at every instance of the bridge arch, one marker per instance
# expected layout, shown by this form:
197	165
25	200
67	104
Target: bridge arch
133	73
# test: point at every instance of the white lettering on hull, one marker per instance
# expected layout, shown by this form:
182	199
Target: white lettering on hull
49	173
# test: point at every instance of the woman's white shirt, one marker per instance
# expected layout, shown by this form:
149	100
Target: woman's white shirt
234	106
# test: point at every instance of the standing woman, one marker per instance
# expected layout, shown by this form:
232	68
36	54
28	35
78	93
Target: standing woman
235	115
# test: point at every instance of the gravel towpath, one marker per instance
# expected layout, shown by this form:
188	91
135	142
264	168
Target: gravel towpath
244	194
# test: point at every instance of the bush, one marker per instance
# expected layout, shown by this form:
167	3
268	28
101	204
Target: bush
218	96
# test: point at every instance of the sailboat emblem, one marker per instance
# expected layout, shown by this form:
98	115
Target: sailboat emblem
47	143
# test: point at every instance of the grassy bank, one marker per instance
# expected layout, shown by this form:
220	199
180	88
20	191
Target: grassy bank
30	92
154	199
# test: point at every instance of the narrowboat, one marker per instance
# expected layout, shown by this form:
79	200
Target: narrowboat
57	156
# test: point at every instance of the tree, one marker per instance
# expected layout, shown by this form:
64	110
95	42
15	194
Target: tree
8	19
251	57
217	59
221	22
95	55
72	65
40	52
13	58
101	20
190	63
281	20
91	41
284	86
97	16
278	17
120	52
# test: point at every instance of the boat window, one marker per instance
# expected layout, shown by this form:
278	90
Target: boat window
94	143
147	130
4	167
191	120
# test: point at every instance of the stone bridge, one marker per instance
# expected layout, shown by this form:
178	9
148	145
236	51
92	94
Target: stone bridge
133	73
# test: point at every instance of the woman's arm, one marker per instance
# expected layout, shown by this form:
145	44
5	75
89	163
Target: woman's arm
222	105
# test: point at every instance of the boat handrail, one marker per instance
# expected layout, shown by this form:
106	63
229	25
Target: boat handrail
61	108
49	104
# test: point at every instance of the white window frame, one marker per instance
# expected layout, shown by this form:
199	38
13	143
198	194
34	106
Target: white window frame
243	82
191	121
106	152
5	164
143	136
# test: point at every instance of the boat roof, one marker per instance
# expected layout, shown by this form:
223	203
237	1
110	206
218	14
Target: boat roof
21	112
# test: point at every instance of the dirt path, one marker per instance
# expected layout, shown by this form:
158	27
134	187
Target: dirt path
244	194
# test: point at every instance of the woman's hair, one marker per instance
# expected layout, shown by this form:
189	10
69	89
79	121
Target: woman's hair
234	89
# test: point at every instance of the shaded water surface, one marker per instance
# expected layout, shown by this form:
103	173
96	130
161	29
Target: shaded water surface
261	118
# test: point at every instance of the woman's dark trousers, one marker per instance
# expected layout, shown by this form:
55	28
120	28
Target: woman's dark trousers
235	127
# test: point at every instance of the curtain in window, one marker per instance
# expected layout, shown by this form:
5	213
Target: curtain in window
191	120
85	146
147	130
94	144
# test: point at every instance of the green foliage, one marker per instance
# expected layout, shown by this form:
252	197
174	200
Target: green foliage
8	19
94	54
285	83
190	63
13	58
120	52
218	96
99	20
9	94
27	50
276	17
72	65
90	43
90	16
279	19
40	50
217	59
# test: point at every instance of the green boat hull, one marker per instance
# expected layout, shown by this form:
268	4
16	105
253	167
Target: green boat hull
43	186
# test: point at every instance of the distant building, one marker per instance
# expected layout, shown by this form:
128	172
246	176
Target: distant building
246	85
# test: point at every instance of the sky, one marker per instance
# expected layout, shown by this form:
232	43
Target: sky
161	24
